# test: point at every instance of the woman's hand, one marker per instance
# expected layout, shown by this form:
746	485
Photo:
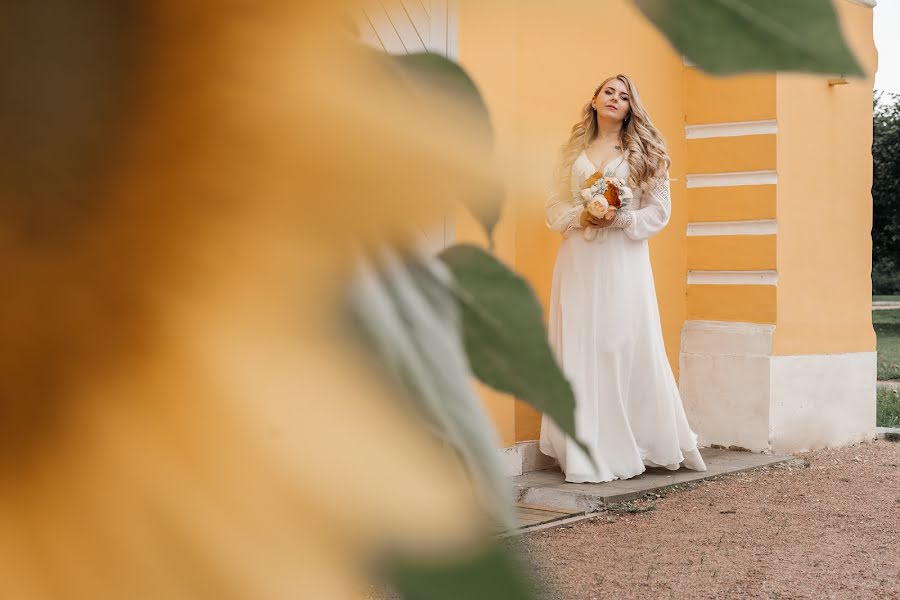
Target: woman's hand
605	221
589	220
585	219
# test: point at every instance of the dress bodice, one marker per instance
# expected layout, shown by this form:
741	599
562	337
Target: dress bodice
616	167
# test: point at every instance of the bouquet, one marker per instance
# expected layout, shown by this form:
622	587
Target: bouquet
601	196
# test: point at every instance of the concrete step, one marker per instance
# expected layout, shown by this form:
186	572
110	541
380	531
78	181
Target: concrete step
549	488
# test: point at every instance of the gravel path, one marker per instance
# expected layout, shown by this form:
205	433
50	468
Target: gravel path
831	530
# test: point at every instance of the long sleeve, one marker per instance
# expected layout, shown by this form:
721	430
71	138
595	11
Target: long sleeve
649	220
563	214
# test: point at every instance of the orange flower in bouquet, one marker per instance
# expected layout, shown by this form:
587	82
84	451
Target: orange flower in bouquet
611	193
603	194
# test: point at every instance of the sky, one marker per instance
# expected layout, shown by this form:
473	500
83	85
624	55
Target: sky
887	40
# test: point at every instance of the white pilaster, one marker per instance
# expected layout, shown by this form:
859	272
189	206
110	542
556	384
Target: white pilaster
737	393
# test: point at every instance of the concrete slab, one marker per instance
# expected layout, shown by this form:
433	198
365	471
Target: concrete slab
884	433
549	488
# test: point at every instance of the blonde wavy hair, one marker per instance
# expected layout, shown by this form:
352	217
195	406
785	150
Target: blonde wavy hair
647	156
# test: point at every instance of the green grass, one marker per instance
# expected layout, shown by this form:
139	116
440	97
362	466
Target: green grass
887	331
885	298
887	411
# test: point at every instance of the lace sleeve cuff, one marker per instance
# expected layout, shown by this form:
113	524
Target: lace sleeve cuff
624	218
574	220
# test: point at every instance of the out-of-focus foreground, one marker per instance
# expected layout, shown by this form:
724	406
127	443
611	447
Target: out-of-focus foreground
181	414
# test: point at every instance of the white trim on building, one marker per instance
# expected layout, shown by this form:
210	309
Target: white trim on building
734	129
699	277
732	179
747	227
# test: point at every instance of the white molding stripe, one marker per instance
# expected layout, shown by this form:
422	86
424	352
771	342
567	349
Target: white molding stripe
733	129
732	179
727	327
869	3
748	227
732	277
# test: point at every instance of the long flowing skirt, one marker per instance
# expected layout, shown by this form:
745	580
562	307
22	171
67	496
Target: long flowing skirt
605	330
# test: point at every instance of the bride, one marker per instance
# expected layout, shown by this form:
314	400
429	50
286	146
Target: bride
604	321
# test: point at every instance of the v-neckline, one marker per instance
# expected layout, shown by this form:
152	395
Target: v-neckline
609	162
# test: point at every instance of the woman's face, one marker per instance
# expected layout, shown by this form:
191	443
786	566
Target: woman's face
612	102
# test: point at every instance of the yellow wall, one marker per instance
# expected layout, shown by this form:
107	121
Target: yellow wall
534	89
729	154
824	205
744	303
718	100
496	56
728	99
731	203
731	252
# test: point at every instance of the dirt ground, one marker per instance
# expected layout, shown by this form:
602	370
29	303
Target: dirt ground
829	530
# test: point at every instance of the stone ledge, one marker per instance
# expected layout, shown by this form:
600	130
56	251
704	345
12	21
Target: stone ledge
524	457
549	487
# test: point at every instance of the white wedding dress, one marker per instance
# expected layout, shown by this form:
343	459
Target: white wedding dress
605	331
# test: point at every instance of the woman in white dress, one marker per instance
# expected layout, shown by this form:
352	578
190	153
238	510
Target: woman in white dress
604	320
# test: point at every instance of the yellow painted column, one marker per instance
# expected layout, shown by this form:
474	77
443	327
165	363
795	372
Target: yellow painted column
825	205
778	349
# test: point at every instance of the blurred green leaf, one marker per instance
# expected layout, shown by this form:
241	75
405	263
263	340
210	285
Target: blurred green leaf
438	72
736	36
434	69
505	337
404	309
489	575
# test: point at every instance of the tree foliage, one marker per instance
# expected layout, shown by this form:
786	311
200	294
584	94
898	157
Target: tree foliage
886	194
